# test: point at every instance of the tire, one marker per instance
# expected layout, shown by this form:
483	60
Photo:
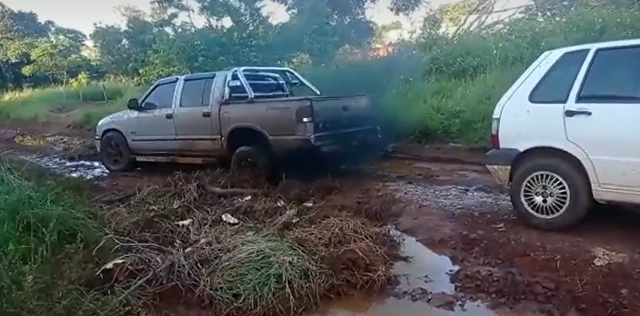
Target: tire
261	157
112	143
568	211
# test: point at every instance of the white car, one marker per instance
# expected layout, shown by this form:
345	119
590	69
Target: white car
567	133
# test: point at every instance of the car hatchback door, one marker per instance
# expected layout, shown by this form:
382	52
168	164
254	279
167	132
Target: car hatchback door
602	116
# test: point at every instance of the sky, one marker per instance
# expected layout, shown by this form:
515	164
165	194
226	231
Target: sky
82	14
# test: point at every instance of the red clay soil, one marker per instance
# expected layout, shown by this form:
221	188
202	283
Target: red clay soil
506	264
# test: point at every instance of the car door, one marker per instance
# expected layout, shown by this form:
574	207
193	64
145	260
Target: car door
154	132
194	117
602	116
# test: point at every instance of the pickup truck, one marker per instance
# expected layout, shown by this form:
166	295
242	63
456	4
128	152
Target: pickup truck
246	114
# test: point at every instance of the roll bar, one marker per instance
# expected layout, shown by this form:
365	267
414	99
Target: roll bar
250	94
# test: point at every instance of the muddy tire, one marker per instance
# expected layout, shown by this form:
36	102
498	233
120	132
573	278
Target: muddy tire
550	193
253	157
115	153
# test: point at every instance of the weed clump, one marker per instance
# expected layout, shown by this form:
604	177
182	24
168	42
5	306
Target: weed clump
243	251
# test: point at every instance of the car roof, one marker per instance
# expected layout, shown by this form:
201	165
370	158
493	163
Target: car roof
618	43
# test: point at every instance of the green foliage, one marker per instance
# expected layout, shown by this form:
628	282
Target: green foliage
44	230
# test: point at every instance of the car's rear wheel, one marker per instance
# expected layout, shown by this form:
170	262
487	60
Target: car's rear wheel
115	153
550	193
253	161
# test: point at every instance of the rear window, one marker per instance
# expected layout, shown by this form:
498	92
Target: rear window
196	93
556	84
613	77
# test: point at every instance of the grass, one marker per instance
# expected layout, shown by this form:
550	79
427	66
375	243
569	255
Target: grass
264	275
46	239
86	104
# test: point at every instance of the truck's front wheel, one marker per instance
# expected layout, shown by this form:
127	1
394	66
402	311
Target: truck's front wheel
115	153
253	159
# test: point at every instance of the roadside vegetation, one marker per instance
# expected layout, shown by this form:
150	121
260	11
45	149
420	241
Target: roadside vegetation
244	250
441	84
47	234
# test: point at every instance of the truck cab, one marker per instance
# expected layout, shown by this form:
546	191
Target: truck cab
258	113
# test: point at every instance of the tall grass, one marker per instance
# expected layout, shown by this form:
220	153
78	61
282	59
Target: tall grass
46	238
41	103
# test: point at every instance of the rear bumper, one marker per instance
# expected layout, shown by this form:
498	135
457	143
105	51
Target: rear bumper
499	164
363	139
348	140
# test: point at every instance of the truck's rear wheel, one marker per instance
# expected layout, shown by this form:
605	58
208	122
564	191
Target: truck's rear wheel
549	193
115	153
253	160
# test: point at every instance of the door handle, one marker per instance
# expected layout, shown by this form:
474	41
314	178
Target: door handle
168	116
206	114
572	113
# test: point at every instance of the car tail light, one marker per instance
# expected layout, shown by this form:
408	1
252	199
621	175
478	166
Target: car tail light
304	114
495	129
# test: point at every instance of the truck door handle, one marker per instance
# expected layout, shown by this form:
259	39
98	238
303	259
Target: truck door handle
168	116
206	114
572	113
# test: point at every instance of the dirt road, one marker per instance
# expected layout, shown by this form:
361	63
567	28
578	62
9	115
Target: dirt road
470	255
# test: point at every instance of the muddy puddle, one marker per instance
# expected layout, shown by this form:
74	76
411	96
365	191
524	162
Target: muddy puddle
72	168
424	289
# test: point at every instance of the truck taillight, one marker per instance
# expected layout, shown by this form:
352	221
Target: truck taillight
304	114
495	131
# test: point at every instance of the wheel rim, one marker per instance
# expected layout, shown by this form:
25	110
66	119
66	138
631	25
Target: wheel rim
545	195
114	153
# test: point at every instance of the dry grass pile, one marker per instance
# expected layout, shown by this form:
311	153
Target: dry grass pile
247	251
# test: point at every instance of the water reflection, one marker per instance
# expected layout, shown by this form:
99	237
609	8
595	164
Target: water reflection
426	273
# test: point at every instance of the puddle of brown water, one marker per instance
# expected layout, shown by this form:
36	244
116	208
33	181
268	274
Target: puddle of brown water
426	270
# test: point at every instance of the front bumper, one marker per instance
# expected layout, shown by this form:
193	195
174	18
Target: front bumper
499	163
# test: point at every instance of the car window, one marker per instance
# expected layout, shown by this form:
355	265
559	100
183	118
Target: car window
613	77
161	97
196	93
556	84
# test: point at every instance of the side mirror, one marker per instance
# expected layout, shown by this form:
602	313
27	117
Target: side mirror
133	104
235	83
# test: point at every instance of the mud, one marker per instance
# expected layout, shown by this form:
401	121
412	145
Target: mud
450	204
82	169
424	288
